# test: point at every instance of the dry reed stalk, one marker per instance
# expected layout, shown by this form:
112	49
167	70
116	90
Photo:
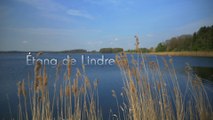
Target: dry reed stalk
37	70
185	53
149	97
85	104
45	79
69	69
118	108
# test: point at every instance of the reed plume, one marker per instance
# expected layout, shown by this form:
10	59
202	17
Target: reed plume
148	95
152	91
83	104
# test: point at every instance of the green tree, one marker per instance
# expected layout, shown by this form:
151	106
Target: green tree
111	50
161	47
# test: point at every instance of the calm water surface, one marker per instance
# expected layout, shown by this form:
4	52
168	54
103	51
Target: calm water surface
13	68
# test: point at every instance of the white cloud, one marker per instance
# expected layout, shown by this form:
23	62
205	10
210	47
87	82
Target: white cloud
149	35
48	9
24	42
115	39
79	13
51	10
102	2
44	5
57	17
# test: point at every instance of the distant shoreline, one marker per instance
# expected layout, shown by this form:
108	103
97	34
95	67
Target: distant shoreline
44	52
185	53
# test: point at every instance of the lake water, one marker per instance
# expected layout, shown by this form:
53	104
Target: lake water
14	68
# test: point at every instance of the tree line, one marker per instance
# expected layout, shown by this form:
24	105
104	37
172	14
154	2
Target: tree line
202	40
102	50
111	50
143	50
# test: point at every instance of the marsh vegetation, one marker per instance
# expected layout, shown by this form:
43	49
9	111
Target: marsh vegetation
150	91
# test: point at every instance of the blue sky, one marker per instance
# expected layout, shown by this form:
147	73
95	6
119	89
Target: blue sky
93	24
